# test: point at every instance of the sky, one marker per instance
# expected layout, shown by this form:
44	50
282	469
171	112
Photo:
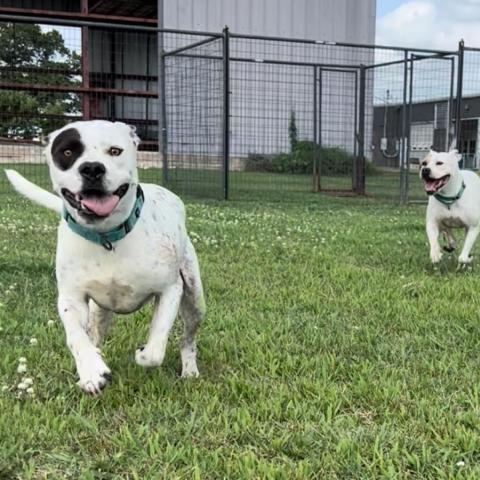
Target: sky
438	24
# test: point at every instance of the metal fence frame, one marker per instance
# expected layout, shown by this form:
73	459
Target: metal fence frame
359	70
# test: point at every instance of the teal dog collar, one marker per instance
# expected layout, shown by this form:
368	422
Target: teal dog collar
448	201
106	239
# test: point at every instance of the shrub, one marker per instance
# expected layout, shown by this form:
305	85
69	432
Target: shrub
334	160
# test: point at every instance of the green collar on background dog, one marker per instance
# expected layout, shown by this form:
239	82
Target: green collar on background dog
107	238
448	201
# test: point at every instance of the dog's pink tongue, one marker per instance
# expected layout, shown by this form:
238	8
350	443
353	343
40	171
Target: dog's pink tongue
101	206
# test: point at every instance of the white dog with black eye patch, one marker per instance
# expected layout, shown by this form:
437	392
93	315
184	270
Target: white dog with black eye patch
454	203
120	244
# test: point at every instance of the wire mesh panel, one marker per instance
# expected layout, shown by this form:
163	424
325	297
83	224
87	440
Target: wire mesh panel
293	110
272	110
51	76
194	97
337	125
469	141
40	77
303	115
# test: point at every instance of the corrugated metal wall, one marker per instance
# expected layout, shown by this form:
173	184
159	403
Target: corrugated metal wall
339	20
263	97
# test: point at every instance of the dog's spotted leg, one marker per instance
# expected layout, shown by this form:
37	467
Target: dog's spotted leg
92	370
165	312
450	239
99	320
432	234
192	310
470	237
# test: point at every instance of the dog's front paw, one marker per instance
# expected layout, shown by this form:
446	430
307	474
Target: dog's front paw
435	255
465	260
190	370
94	374
149	357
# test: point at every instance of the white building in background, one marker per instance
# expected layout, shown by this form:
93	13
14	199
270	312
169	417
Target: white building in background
337	20
264	95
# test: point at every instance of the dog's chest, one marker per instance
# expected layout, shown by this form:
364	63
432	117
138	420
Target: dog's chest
140	266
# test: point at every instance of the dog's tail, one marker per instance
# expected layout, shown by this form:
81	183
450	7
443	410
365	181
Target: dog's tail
34	192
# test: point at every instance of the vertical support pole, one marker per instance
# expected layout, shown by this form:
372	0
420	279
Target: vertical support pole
409	120
355	115
449	135
162	101
403	142
360	167
85	65
316	152
226	111
458	109
355	133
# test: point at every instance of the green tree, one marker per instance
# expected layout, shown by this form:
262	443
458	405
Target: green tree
292	131
32	56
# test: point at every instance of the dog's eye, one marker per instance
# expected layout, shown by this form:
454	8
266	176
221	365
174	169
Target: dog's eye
115	151
67	153
424	164
439	163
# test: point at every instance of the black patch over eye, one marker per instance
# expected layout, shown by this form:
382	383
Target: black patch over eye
115	151
66	148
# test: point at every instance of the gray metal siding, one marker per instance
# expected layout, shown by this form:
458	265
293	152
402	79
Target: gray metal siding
337	20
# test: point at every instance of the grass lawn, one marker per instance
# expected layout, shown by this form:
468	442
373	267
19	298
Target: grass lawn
331	349
197	183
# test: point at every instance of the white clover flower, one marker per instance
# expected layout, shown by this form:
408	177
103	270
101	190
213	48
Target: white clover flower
30	390
33	341
460	463
22	368
22	386
51	322
4	388
27	381
22	360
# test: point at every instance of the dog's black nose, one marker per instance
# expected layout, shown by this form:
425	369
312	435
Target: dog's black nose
426	172
92	171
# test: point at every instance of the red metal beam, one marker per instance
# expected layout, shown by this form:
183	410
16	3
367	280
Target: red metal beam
91	17
74	89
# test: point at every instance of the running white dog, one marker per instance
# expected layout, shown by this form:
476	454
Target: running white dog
454	203
119	245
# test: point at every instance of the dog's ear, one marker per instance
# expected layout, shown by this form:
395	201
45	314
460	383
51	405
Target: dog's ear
133	134
455	156
132	131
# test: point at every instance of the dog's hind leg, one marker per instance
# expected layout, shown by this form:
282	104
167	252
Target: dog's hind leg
99	320
450	239
192	310
165	311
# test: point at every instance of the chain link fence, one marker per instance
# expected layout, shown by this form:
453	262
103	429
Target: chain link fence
223	115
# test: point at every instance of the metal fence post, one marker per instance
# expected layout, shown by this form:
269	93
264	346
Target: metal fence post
360	164
316	136
403	153
226	112
458	104
162	99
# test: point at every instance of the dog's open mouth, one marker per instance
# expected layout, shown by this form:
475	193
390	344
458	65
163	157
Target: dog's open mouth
95	203
433	185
